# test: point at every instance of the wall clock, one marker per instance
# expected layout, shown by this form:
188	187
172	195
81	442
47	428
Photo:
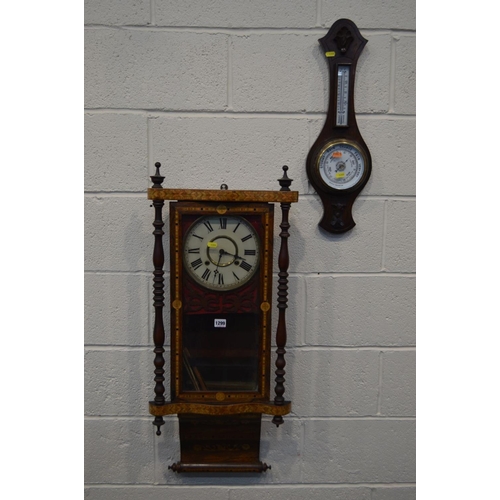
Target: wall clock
221	266
339	162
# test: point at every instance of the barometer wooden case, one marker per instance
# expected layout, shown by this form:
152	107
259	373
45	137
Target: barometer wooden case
339	162
221	266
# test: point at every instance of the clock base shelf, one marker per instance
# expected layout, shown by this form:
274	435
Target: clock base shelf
229	443
255	467
172	408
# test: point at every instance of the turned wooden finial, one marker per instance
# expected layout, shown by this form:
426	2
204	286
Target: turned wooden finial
157	178
285	181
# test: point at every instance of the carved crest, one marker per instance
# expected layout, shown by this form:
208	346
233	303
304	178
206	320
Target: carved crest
343	39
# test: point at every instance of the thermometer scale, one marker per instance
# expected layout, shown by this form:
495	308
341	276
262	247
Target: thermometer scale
342	95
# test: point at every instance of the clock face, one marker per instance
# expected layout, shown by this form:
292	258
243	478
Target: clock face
341	165
221	252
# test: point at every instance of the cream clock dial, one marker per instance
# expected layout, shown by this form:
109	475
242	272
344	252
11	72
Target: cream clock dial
221	253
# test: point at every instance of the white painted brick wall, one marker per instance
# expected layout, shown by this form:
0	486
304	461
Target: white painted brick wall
115	145
229	91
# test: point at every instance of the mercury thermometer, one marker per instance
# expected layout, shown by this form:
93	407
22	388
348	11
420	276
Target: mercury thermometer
342	95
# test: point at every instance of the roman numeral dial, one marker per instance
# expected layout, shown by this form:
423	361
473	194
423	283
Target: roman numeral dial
221	253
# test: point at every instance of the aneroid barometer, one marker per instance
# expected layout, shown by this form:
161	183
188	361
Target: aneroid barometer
221	266
339	163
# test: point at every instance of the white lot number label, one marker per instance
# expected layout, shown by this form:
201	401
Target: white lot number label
219	323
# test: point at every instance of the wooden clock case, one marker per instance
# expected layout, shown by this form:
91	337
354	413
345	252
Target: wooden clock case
220	378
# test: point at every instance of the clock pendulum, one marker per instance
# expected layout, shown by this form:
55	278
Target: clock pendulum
339	162
221	251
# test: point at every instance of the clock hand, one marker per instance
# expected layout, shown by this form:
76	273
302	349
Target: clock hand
232	255
217	265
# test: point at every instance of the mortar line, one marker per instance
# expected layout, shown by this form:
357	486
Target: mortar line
240	30
290	349
152	12
301	420
229	101
384	238
375	274
329	348
309	130
159	463
304	316
366	274
104	272
392	77
387	197
224	113
306	486
379	395
116	194
302	447
149	143
319	12
119	347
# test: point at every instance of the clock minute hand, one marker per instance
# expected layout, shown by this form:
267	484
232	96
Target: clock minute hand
218	262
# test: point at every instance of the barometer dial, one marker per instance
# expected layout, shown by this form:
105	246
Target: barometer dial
341	165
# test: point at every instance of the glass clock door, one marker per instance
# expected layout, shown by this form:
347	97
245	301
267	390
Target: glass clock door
221	352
